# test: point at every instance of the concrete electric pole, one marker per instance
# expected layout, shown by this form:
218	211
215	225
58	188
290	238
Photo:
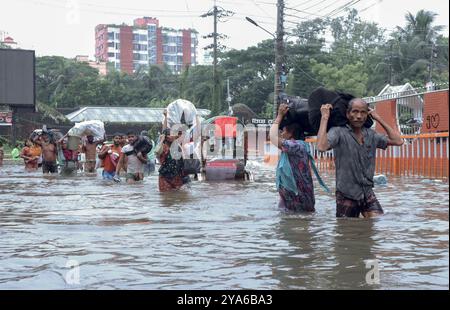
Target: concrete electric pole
279	55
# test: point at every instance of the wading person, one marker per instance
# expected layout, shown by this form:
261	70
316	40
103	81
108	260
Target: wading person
134	162
49	153
68	159
123	140
90	151
294	179
30	154
110	155
355	150
171	169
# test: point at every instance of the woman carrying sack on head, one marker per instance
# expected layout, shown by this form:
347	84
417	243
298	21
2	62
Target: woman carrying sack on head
171	170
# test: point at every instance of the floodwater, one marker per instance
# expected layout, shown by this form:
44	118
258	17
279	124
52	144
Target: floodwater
215	236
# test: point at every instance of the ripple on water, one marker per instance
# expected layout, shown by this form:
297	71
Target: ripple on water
214	235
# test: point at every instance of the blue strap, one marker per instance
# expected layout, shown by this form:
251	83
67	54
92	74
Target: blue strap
314	167
284	175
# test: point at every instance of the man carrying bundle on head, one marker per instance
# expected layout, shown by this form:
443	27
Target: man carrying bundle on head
354	148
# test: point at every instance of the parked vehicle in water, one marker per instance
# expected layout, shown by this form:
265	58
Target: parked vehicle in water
224	155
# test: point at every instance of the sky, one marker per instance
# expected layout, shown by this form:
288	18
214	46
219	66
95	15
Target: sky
66	27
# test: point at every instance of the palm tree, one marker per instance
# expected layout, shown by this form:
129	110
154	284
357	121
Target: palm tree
413	46
421	26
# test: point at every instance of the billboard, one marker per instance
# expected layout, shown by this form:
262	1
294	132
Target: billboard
17	78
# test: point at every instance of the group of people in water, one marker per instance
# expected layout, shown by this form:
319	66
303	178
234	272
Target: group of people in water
118	159
354	148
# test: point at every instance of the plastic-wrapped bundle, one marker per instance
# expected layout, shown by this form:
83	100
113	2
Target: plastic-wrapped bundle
181	112
54	134
35	134
338	115
88	128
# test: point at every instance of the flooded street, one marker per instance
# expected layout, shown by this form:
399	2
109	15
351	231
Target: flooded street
215	236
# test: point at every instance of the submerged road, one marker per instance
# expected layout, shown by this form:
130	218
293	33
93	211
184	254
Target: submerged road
215	236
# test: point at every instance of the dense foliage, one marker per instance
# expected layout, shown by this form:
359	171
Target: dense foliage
344	53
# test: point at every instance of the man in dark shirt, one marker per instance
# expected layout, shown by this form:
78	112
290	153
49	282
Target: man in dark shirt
354	151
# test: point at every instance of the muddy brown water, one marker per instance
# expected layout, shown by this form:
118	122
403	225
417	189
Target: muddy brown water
215	235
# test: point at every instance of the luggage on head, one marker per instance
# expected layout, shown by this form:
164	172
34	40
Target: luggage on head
181	111
338	115
298	113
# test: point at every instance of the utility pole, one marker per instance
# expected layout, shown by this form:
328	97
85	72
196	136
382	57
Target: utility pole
279	55
215	77
390	64
433	55
217	13
230	110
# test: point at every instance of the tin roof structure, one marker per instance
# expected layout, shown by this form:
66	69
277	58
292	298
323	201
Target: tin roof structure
123	114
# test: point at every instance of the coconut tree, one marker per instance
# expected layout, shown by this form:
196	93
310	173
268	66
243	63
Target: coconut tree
413	47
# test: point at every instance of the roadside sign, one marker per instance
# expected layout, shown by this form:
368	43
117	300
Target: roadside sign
5	118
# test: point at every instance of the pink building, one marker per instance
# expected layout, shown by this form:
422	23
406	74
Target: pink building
99	65
145	43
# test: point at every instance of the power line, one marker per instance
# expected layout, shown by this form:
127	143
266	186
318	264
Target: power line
320	2
370	6
342	8
301	4
310	77
301	11
262	10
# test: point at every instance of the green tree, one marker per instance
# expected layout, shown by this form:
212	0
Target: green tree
350	78
414	47
251	74
309	44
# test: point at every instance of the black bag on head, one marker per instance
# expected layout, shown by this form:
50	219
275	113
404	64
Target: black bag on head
338	115
298	113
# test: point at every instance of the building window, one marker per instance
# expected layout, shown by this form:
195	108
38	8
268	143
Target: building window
117	36
110	54
139	47
117	46
135	37
142	37
137	56
110	44
152	28
110	36
118	55
180	59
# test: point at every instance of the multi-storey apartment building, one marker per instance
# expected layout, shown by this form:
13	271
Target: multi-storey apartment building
145	43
